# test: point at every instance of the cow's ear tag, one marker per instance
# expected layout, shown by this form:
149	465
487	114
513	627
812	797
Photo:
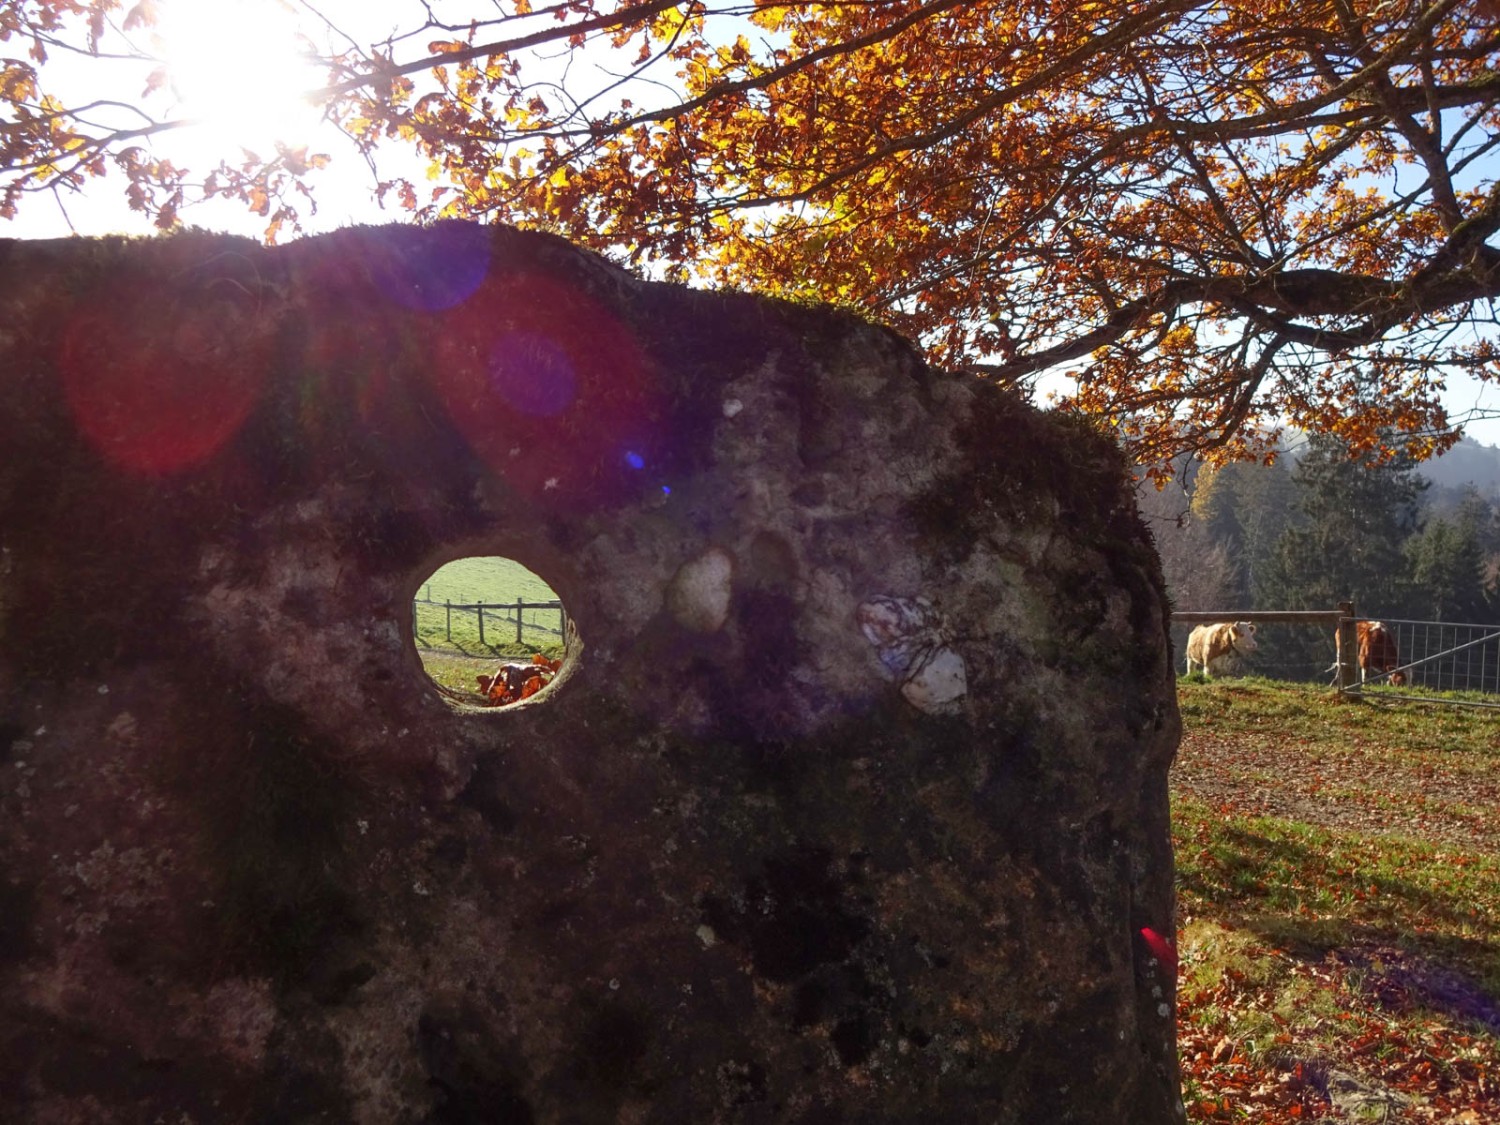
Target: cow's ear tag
489	631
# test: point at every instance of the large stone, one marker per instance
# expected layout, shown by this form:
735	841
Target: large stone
849	806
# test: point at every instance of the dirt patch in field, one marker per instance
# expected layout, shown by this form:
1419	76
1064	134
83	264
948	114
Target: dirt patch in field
1442	799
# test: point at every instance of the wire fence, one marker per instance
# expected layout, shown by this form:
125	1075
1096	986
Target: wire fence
1448	656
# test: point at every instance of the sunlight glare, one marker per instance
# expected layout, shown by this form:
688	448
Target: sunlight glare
242	69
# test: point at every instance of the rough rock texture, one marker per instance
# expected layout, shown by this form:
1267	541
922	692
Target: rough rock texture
849	806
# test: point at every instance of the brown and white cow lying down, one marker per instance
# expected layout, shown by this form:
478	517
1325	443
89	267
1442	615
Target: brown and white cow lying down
514	681
1209	643
1377	651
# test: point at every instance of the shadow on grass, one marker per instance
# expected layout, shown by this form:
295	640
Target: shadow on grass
485	654
458	648
1401	981
1421	935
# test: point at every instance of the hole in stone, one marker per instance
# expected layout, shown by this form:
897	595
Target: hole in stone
489	632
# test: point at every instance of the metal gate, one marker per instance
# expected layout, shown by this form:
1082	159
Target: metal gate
1447	656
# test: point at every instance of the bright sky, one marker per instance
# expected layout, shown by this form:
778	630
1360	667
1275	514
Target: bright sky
239	66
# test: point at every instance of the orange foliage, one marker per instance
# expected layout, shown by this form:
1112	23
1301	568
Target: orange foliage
1220	220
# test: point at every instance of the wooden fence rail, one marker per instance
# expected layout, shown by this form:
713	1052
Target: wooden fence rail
1264	617
1341	619
502	610
1441	655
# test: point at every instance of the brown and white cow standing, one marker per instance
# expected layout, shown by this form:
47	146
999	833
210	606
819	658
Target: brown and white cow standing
1376	646
1209	643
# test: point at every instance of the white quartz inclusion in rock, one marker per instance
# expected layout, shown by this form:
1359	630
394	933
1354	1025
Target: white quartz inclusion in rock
939	683
908	637
698	595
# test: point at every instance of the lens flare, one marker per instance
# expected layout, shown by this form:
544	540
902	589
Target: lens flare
533	374
158	381
426	268
548	387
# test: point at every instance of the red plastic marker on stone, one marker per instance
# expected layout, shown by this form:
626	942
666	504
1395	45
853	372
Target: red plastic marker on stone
1160	948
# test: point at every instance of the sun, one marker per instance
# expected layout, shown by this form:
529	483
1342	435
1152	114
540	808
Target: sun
241	69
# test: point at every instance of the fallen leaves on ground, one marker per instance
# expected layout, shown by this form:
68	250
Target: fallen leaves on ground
1365	788
1249	1056
1339	926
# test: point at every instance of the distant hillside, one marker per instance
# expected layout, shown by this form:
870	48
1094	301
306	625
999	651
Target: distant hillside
1468	462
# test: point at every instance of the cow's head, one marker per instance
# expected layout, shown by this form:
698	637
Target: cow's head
1244	636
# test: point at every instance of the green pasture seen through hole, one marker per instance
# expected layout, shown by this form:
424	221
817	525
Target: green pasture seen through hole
480	624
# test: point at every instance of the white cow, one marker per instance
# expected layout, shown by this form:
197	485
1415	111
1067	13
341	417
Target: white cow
1209	643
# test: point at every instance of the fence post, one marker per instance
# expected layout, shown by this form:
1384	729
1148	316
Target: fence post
448	609
520	605
479	609
1348	647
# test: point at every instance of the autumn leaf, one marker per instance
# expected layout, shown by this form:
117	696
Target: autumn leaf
142	14
155	80
17	83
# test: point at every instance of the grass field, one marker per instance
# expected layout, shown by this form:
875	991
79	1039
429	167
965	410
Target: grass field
1338	868
450	644
485	579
